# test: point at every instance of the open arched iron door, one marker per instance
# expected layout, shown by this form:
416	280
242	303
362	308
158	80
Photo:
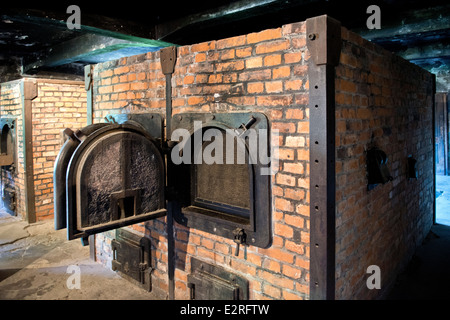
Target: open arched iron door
115	177
60	170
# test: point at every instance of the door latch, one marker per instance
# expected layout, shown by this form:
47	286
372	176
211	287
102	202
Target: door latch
240	238
245	126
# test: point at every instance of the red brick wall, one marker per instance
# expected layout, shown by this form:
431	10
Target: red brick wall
59	104
380	99
384	101
265	72
11	106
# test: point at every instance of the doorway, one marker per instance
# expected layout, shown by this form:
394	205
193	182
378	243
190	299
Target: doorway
442	162
7	166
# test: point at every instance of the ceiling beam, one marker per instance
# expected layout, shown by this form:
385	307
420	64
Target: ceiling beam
93	23
409	23
85	47
432	51
234	11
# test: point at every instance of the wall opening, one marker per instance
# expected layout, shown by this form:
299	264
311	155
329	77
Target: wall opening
442	162
7	166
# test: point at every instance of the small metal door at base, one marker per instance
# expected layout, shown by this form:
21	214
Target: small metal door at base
210	282
132	258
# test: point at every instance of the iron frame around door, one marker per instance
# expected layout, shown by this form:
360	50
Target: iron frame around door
258	229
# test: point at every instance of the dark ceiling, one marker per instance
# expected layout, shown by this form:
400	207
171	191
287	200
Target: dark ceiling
34	37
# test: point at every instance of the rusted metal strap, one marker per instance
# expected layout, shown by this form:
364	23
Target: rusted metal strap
88	86
168	57
324	44
29	92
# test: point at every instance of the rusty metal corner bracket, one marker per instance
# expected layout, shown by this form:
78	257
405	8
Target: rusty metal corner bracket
168	57
323	38
30	91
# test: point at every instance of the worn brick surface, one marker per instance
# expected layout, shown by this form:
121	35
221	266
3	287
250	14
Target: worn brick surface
244	73
59	104
383	101
380	99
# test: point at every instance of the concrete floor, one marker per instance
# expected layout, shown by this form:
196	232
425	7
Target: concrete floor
34	265
443	200
427	276
34	262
